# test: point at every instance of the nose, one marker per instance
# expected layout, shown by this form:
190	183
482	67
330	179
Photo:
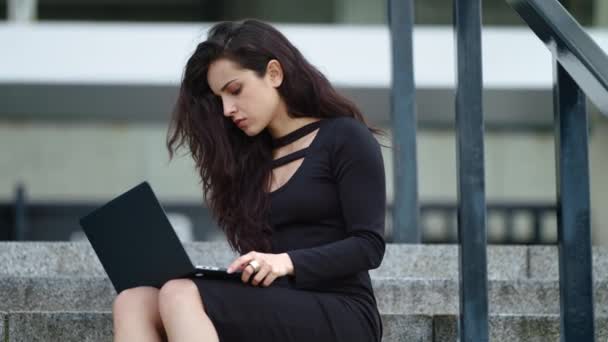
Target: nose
229	107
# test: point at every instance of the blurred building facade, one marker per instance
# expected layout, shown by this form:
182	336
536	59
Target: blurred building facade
86	90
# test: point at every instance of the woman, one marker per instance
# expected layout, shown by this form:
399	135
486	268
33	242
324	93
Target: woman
295	178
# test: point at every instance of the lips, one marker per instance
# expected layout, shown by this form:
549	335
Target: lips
239	122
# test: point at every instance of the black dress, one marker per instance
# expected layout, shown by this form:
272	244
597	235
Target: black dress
329	218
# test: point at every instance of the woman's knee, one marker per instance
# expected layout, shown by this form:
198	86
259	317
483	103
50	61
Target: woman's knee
178	293
139	299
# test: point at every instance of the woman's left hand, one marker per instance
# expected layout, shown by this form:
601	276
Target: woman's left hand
272	266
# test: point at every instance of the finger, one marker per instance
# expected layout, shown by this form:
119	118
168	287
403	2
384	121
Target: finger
240	262
258	277
247	273
269	279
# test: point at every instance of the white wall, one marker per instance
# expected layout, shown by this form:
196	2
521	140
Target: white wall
598	160
98	161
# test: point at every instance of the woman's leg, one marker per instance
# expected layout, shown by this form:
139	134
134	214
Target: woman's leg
183	314
136	316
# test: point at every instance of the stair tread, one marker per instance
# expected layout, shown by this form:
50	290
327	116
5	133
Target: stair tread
97	326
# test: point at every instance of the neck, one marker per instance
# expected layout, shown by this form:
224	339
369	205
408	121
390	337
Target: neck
283	125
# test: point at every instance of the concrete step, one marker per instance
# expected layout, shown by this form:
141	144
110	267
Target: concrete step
97	327
78	259
394	296
441	296
525	328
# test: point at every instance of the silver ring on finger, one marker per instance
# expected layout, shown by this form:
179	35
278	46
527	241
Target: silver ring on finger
255	264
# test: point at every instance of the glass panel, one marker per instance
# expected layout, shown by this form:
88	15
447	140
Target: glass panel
495	12
428	12
311	11
3	14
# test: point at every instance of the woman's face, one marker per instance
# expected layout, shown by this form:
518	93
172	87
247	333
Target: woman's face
245	95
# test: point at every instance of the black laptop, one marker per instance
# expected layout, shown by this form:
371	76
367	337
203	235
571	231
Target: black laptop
137	245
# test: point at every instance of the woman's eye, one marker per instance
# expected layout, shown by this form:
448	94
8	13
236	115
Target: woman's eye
236	92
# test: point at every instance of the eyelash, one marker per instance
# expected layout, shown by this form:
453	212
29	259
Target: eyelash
236	92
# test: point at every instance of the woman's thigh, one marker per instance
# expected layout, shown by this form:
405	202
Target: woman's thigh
241	311
140	303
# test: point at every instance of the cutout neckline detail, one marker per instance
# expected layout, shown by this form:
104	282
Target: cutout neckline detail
302	153
295	135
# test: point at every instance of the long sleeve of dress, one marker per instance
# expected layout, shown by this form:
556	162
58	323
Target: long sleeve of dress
358	168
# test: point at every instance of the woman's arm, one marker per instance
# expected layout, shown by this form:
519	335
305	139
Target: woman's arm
360	179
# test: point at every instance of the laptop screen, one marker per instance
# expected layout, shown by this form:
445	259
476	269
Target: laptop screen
135	242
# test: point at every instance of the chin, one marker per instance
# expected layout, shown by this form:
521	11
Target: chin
250	132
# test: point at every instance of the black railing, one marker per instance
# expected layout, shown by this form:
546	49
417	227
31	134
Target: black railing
403	119
472	232
570	45
580	67
470	151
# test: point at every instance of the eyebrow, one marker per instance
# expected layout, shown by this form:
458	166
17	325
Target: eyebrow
226	85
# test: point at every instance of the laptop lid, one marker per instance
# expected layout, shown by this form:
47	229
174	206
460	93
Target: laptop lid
135	241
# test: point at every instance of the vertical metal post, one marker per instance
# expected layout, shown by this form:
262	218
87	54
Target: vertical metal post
472	234
22	11
573	209
536	226
509	226
19	229
406	227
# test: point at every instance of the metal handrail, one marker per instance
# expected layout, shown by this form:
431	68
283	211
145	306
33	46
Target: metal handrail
580	69
575	50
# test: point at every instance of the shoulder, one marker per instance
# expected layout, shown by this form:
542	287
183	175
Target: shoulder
354	147
353	141
347	123
348	130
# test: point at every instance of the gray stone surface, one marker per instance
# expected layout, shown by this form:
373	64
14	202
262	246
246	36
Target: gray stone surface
394	296
544	263
416	296
48	259
60	326
56	294
529	328
440	296
401	260
3	330
416	288
78	259
97	327
441	261
407	328
445	328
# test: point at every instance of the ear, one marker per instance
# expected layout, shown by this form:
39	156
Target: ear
274	73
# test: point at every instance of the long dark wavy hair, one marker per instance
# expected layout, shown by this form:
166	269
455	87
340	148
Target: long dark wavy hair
235	168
